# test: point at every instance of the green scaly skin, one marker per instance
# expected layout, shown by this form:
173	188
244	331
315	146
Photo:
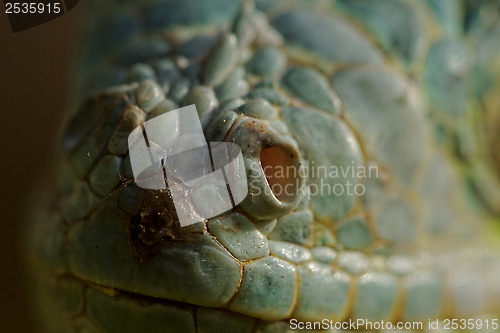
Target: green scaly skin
409	88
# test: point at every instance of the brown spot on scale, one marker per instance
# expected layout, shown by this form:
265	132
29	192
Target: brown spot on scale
155	223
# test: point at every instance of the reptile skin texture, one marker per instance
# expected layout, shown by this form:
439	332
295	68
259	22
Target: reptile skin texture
389	108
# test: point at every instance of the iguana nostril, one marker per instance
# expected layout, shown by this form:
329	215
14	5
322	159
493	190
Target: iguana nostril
264	150
281	168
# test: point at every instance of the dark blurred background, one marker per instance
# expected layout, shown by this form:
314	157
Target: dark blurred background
34	75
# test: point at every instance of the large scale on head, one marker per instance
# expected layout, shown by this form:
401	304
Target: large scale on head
378	107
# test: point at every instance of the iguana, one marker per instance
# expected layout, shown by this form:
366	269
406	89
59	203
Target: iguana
389	111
